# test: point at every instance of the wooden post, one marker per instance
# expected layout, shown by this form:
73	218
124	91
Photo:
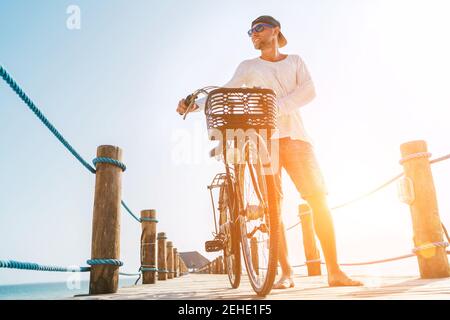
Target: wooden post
148	246
221	265
225	267
432	259
184	268
106	222
312	253
216	265
175	262
162	256
170	259
254	252
179	265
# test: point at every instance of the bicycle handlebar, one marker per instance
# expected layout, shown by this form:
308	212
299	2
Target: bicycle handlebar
190	99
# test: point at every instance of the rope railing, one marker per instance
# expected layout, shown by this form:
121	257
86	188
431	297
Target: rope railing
32	106
216	266
32	266
12	264
440	159
406	256
308	227
365	195
373	191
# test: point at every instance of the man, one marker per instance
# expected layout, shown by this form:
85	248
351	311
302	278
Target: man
288	76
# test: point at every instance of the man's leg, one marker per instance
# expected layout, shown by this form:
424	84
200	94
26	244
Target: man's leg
283	256
285	280
301	164
323	225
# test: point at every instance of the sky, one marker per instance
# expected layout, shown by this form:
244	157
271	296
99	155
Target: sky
380	69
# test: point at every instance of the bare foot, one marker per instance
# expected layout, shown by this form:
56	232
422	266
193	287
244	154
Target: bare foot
340	279
285	282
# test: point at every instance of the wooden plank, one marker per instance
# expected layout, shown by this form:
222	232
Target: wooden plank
204	286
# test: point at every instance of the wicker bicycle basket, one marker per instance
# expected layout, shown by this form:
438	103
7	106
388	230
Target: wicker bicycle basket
241	108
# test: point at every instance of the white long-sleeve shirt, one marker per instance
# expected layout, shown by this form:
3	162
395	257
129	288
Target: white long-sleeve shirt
291	82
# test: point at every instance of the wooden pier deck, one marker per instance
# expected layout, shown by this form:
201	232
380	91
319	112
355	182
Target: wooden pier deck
216	287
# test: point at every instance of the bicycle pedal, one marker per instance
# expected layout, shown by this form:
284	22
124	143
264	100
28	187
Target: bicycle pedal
213	245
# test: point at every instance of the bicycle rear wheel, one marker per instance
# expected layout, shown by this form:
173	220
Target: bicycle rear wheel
231	250
258	223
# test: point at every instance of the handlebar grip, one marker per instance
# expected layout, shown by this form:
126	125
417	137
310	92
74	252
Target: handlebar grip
188	99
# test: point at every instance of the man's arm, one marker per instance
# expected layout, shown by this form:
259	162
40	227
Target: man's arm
303	93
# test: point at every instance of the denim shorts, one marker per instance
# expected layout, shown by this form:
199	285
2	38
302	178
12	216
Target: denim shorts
298	159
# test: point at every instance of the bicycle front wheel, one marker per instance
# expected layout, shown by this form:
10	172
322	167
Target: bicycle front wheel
258	224
228	227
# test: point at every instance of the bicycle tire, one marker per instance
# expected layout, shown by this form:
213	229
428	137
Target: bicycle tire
262	285
231	251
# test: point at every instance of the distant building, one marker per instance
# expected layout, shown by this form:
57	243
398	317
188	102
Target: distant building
193	260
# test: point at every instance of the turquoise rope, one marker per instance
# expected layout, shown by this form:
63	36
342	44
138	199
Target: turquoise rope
129	211
149	269
27	100
96	262
149	219
12	264
130	274
23	96
114	162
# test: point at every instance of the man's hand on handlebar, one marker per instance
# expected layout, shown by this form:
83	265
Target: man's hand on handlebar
182	107
188	104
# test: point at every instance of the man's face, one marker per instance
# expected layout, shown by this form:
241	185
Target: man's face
265	38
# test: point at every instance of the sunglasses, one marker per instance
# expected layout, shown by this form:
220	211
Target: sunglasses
258	28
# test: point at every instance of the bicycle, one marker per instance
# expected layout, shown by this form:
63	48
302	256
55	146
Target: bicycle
247	206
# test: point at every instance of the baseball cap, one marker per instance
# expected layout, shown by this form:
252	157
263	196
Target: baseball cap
273	22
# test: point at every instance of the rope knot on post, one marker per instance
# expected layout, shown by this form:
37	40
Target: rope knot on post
114	162
149	220
441	244
415	156
96	262
148	268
